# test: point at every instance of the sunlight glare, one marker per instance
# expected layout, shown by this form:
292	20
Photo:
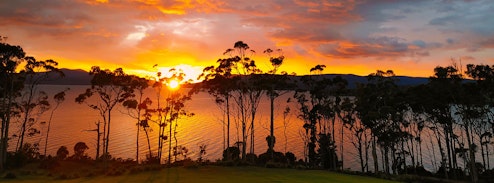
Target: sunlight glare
173	84
191	72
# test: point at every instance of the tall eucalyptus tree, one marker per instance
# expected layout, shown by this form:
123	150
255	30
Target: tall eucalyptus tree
110	88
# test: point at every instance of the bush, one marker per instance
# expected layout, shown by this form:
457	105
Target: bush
251	158
152	160
136	169
458	173
62	153
49	163
418	170
231	154
271	164
278	157
27	154
10	175
488	174
188	163
115	172
228	163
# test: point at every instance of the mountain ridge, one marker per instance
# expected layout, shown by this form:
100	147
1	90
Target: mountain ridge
81	77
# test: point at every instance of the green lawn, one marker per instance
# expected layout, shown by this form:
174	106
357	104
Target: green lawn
215	174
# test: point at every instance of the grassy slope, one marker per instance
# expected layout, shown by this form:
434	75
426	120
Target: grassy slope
217	174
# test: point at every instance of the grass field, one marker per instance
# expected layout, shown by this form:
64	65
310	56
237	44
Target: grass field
214	174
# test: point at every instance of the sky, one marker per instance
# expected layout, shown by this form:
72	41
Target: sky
410	37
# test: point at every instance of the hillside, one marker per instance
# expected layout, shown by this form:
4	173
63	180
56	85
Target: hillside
80	77
72	77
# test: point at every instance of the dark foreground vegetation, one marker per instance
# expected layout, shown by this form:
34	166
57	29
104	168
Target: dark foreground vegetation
387	123
123	172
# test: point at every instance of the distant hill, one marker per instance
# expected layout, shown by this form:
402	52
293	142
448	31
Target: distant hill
72	77
402	80
81	77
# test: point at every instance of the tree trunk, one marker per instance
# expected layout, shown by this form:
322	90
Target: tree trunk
5	128
176	140
366	143
473	168
137	143
138	130
443	156
149	144
341	144
228	121
487	155
482	153
170	143
107	141
374	155
271	145
49	125
26	118
448	148
412	151
244	133
420	151
105	123
386	159
359	149
98	139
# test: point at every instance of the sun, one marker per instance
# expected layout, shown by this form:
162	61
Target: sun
173	84
191	72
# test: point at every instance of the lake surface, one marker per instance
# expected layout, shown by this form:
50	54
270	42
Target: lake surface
72	123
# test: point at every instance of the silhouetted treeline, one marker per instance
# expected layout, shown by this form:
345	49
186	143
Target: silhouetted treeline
388	124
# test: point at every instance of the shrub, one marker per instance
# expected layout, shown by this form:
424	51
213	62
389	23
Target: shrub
272	164
152	160
10	175
231	153
49	163
62	153
290	157
251	158
188	163
136	169
27	154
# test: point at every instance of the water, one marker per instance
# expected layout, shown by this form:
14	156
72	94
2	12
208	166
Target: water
73	123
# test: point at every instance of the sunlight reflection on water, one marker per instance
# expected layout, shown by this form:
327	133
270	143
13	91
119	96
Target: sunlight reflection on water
72	121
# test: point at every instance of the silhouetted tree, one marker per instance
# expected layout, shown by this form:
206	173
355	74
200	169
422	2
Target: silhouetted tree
169	113
380	106
274	84
443	89
248	93
231	153
318	99
59	98
359	131
327	151
219	83
286	123
111	88
235	78
11	84
484	77
79	150
13	101
137	106
62	153
33	102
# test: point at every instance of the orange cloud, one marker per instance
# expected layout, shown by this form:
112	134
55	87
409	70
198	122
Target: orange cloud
348	36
